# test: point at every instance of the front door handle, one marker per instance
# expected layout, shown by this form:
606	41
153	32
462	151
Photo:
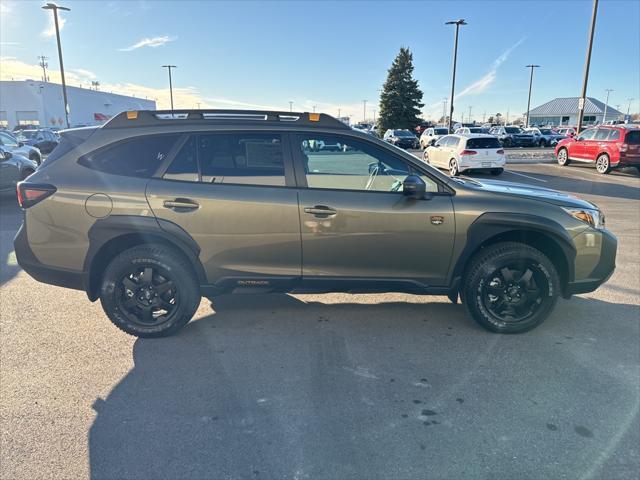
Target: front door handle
181	204
320	211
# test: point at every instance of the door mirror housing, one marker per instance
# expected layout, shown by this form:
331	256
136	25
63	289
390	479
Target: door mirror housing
414	187
4	155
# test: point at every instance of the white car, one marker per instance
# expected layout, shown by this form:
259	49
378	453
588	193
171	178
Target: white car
459	153
431	135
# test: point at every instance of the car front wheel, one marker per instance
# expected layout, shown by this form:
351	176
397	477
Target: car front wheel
425	156
603	164
150	291
510	287
563	157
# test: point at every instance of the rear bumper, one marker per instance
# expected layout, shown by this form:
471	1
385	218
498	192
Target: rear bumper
41	272
603	270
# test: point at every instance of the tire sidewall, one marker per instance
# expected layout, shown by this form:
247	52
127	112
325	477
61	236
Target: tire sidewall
180	274
608	163
495	259
566	159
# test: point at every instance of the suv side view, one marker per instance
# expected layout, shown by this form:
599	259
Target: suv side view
156	209
607	146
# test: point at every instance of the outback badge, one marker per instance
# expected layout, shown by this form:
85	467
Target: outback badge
437	219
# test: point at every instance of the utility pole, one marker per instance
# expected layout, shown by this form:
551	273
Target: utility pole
484	115
583	96
530	84
444	110
55	8
374	117
364	110
507	120
469	120
95	84
43	63
314	108
198	104
457	23
169	67
629	106
290	106
606	105
339	112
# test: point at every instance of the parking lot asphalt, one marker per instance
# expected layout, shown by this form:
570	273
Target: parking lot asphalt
335	386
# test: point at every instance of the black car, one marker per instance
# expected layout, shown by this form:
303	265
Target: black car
44	140
14	168
513	137
401	138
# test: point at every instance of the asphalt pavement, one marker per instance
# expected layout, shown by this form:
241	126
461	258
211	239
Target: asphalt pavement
334	386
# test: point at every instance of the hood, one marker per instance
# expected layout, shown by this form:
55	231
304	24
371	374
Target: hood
528	191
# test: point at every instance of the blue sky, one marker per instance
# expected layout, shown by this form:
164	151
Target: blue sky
330	54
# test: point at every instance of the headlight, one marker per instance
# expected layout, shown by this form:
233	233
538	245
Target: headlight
595	218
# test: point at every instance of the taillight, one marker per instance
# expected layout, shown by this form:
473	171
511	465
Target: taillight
500	152
624	147
468	152
31	193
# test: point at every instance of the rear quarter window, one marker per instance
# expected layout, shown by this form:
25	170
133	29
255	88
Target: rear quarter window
138	157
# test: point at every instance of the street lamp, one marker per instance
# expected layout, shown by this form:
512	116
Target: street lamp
290	106
629	106
530	84
582	99
169	67
457	23
55	8
364	111
606	105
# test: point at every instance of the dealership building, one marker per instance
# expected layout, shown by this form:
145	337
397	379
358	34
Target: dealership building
564	111
31	102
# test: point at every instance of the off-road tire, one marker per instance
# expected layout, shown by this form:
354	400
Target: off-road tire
492	259
174	265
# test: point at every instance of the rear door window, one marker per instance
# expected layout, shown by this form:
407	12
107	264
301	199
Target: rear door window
137	157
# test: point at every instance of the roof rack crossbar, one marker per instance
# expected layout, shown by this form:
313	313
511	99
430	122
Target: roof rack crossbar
148	118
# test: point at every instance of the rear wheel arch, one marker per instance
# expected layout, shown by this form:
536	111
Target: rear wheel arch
108	238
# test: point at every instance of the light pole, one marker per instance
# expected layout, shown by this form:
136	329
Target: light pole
582	99
470	107
314	108
530	84
457	23
606	105
364	110
55	8
290	106
169	67
629	106
444	110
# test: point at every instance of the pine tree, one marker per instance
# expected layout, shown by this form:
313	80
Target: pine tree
401	98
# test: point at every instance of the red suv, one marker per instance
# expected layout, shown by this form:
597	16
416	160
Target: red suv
606	146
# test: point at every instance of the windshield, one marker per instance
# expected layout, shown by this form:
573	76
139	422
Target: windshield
513	130
402	133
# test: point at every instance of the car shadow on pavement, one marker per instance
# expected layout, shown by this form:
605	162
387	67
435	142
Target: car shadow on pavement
273	387
10	221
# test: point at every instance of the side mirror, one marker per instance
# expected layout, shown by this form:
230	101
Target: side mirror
414	187
5	155
20	144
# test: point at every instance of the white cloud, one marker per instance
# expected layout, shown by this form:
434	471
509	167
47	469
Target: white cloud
149	42
485	81
50	30
84	73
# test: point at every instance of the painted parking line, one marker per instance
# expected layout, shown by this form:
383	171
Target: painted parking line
523	175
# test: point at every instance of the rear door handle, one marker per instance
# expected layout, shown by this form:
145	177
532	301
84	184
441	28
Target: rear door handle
181	204
320	211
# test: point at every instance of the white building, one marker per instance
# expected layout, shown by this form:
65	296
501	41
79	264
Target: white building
31	102
564	111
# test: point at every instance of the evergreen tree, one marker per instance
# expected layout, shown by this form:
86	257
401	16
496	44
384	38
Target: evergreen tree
401	98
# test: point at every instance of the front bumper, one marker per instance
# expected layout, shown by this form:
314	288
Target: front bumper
41	272
602	271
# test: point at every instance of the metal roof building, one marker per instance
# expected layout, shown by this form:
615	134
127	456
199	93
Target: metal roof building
564	111
31	102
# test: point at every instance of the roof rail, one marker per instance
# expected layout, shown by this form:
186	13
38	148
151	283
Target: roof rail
149	118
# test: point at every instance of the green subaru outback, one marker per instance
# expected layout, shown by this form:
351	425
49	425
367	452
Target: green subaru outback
154	210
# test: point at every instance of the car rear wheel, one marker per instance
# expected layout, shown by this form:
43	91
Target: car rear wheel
35	157
603	164
425	157
510	287
542	143
506	142
453	168
150	291
563	157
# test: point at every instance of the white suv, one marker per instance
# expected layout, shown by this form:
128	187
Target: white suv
459	153
432	135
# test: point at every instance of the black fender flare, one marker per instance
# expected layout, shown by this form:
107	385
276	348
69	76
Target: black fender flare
107	229
492	224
